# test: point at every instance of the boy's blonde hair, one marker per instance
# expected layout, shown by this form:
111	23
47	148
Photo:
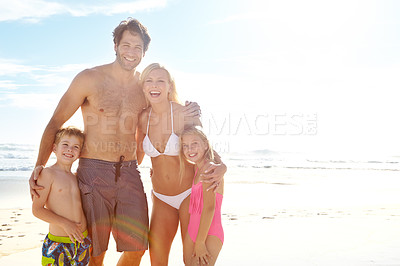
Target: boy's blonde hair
208	155
173	95
69	131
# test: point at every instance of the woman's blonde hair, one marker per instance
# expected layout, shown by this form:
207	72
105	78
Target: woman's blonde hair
208	155
173	95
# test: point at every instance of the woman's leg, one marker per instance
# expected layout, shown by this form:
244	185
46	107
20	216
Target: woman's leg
163	226
184	217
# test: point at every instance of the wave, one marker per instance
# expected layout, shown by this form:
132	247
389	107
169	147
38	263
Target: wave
13	156
16	147
16	168
318	167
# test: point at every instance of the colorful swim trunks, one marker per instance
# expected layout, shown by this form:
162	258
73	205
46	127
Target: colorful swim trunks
60	250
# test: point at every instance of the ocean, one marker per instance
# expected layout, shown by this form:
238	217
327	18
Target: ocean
257	166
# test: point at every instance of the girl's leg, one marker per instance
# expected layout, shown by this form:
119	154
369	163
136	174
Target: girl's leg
214	245
163	226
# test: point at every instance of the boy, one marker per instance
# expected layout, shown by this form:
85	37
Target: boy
60	205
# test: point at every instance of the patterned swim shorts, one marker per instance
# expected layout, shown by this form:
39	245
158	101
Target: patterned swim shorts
60	250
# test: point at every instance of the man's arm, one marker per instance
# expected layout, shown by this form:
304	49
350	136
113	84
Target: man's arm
69	103
40	211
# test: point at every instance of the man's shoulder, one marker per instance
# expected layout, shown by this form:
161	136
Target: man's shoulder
88	80
94	72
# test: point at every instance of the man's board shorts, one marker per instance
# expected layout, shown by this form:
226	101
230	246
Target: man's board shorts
60	250
113	200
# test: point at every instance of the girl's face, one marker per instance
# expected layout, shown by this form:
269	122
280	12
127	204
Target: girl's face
193	147
156	86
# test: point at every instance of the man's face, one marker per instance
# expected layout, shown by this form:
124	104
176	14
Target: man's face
129	50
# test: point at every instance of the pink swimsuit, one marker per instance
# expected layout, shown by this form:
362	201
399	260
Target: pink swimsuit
195	210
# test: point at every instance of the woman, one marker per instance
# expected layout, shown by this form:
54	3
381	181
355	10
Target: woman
158	131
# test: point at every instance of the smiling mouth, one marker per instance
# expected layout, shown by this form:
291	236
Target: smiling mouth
191	155
130	59
155	93
68	155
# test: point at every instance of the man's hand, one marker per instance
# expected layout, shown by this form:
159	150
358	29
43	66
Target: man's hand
192	109
214	175
33	186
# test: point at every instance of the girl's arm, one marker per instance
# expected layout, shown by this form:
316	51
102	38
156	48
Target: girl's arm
200	253
40	211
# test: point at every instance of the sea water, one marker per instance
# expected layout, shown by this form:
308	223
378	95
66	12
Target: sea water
259	166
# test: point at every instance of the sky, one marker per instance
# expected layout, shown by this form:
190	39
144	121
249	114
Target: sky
317	76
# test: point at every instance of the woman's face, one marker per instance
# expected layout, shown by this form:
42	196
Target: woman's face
156	86
193	147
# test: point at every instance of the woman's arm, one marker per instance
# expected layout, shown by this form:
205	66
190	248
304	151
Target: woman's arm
140	134
214	174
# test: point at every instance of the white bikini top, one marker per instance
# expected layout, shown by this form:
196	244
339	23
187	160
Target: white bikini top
172	147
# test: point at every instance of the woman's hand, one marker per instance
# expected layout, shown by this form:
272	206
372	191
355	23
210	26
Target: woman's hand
192	109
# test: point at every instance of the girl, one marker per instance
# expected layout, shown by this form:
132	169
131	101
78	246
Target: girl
205	236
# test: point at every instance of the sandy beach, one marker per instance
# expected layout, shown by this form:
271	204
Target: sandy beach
309	217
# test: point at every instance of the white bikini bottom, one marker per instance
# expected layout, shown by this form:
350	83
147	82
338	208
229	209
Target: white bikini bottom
173	201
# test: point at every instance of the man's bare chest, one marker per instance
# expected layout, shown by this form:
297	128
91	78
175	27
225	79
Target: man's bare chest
118	101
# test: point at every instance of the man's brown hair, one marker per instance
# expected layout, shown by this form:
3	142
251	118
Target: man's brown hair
134	26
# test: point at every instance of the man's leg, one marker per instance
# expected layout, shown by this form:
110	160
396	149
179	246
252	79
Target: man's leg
132	258
98	260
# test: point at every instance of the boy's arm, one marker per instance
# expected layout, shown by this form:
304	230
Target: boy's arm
40	211
200	250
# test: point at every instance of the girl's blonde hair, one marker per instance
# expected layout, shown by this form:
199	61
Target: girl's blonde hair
173	95
208	155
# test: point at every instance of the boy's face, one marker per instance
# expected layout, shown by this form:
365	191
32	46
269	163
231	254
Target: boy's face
68	149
